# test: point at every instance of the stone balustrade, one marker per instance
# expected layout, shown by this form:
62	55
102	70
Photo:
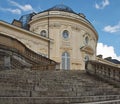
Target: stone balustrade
108	72
13	48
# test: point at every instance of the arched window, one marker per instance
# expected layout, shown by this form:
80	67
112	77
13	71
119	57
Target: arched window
65	34
86	40
65	61
43	33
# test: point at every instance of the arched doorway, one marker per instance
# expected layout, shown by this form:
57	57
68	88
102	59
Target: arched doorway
66	61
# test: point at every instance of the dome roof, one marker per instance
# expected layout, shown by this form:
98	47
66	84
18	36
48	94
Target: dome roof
61	7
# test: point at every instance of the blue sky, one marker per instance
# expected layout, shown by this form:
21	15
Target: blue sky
103	14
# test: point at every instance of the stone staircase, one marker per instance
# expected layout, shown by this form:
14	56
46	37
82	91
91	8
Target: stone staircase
54	87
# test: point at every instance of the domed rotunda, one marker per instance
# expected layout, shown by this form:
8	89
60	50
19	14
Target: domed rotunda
73	38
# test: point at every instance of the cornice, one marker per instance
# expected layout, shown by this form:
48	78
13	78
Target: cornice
64	15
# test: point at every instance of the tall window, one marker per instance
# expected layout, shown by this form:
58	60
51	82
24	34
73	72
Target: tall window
43	33
65	61
86	40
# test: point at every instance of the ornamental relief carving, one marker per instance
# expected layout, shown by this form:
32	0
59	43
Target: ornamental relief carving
66	48
43	26
34	29
82	32
86	34
37	27
66	44
65	26
76	28
53	25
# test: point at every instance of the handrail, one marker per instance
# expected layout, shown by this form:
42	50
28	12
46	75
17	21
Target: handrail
104	71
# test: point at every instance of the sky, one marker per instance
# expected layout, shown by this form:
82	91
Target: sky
103	14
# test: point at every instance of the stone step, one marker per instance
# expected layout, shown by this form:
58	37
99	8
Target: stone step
59	87
36	92
102	102
14	93
54	85
58	100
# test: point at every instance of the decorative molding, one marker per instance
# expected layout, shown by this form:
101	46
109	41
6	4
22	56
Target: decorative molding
66	43
53	25
87	49
76	28
66	48
43	26
86	34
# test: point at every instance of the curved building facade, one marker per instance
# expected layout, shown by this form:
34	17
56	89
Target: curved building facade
61	35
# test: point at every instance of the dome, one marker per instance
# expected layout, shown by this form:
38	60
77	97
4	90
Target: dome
61	7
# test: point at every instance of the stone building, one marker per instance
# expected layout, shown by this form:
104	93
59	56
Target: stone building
37	44
58	33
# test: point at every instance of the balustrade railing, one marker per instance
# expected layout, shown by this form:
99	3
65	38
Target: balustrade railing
107	72
19	49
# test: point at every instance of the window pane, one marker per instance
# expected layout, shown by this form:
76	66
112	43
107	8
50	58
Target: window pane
43	33
65	34
65	61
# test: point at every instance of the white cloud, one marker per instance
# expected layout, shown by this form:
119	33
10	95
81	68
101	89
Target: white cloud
14	11
102	5
112	29
106	51
26	7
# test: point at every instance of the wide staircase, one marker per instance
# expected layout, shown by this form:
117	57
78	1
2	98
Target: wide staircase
55	87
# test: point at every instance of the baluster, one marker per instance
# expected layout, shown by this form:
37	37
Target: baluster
101	69
104	71
114	74
108	72
95	68
119	75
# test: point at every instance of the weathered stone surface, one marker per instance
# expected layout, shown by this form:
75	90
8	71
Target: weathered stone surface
53	87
